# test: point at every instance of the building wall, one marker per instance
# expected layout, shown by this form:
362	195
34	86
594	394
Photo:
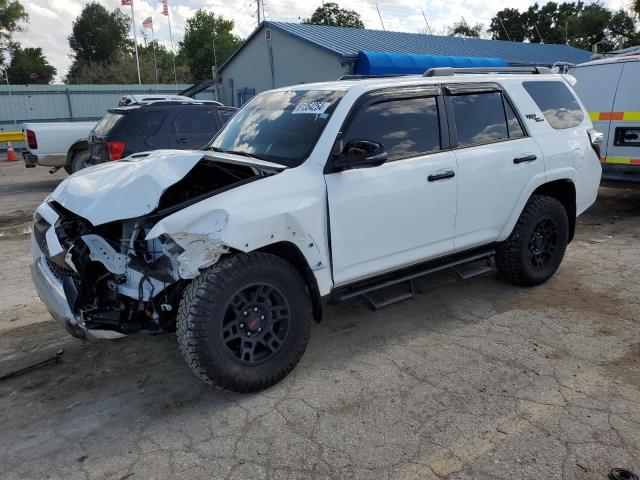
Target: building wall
294	62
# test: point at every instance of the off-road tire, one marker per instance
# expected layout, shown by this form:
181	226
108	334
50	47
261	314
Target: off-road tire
513	255
202	312
79	162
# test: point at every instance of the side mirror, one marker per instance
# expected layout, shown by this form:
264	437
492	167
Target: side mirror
360	154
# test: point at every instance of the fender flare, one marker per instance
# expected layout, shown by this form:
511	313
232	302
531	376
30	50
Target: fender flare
74	148
567	174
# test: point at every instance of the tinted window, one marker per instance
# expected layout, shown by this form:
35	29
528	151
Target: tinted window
106	124
196	121
557	103
515	129
145	124
480	118
281	126
225	115
406	127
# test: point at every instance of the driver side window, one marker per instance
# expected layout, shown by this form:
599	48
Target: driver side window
407	127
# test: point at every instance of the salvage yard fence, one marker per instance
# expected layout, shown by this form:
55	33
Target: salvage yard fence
69	103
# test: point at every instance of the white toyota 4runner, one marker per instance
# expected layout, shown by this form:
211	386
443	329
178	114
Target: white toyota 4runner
315	193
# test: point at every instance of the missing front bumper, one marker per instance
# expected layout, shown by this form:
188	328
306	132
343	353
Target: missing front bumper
52	295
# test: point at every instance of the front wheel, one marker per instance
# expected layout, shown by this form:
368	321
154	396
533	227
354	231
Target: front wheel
535	248
244	323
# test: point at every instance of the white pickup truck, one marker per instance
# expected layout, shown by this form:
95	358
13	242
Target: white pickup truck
57	144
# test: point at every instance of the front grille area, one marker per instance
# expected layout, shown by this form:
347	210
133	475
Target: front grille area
58	271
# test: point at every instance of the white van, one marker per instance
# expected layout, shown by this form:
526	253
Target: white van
610	90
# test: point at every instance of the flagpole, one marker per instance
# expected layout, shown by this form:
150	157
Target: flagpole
135	39
155	62
173	51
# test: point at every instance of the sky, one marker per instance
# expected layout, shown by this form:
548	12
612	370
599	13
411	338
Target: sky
50	20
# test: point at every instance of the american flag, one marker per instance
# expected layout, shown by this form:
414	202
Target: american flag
165	8
148	23
126	3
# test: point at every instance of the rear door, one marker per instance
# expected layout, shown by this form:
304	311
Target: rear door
194	126
624	130
596	87
495	157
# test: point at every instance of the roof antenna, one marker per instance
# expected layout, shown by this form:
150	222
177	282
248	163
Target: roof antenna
380	17
426	21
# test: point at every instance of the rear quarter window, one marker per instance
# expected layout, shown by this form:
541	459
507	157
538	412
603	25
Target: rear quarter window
557	103
105	125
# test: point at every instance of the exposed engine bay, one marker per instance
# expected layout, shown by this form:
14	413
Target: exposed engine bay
113	276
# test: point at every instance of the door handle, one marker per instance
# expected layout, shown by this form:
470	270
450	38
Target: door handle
526	158
441	176
182	140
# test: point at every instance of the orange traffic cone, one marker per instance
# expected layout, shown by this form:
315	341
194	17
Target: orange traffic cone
11	154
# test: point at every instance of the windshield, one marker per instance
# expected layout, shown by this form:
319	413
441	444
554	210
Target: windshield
280	127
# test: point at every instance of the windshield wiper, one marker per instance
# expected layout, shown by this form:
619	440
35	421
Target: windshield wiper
241	153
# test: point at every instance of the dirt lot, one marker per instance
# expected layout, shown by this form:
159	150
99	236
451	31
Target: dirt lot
467	380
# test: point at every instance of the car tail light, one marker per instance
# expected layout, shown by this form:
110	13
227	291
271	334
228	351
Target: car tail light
596	138
32	142
115	149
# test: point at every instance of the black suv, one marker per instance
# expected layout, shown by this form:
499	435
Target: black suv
159	125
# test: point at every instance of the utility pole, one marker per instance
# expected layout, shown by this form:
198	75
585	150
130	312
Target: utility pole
380	17
505	30
426	21
259	14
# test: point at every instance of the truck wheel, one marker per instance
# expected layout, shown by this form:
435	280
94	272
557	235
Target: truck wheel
535	248
245	322
78	162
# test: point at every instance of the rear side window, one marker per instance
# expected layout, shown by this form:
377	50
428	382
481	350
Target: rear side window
558	105
480	118
145	124
406	127
196	121
105	125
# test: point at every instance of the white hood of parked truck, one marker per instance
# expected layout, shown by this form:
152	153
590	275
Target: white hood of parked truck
126	188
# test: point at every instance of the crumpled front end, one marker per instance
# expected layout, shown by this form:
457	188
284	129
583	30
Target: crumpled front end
104	277
108	281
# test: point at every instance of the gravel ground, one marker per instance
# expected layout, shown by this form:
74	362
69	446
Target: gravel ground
468	380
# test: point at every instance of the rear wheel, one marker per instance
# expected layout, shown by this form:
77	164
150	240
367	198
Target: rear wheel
244	323
79	162
534	250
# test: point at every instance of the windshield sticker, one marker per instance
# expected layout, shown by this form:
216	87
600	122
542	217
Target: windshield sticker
311	107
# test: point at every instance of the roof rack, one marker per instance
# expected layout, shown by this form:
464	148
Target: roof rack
367	77
449	71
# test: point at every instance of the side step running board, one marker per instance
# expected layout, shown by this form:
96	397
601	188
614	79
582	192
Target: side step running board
366	287
375	302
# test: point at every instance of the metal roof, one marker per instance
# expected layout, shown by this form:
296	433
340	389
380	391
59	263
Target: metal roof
347	42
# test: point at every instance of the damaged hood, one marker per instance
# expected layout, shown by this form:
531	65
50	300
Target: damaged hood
127	188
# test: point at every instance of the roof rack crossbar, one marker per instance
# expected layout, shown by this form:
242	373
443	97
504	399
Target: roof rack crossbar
449	71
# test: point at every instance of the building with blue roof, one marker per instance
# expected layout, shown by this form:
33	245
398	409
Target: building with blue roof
277	54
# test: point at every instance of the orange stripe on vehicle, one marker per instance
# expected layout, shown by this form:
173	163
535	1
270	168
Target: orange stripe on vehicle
612	116
634	161
615	116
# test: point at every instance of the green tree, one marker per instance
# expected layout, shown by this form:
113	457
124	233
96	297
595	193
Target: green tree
98	36
12	14
508	24
30	66
332	15
463	29
197	47
164	62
